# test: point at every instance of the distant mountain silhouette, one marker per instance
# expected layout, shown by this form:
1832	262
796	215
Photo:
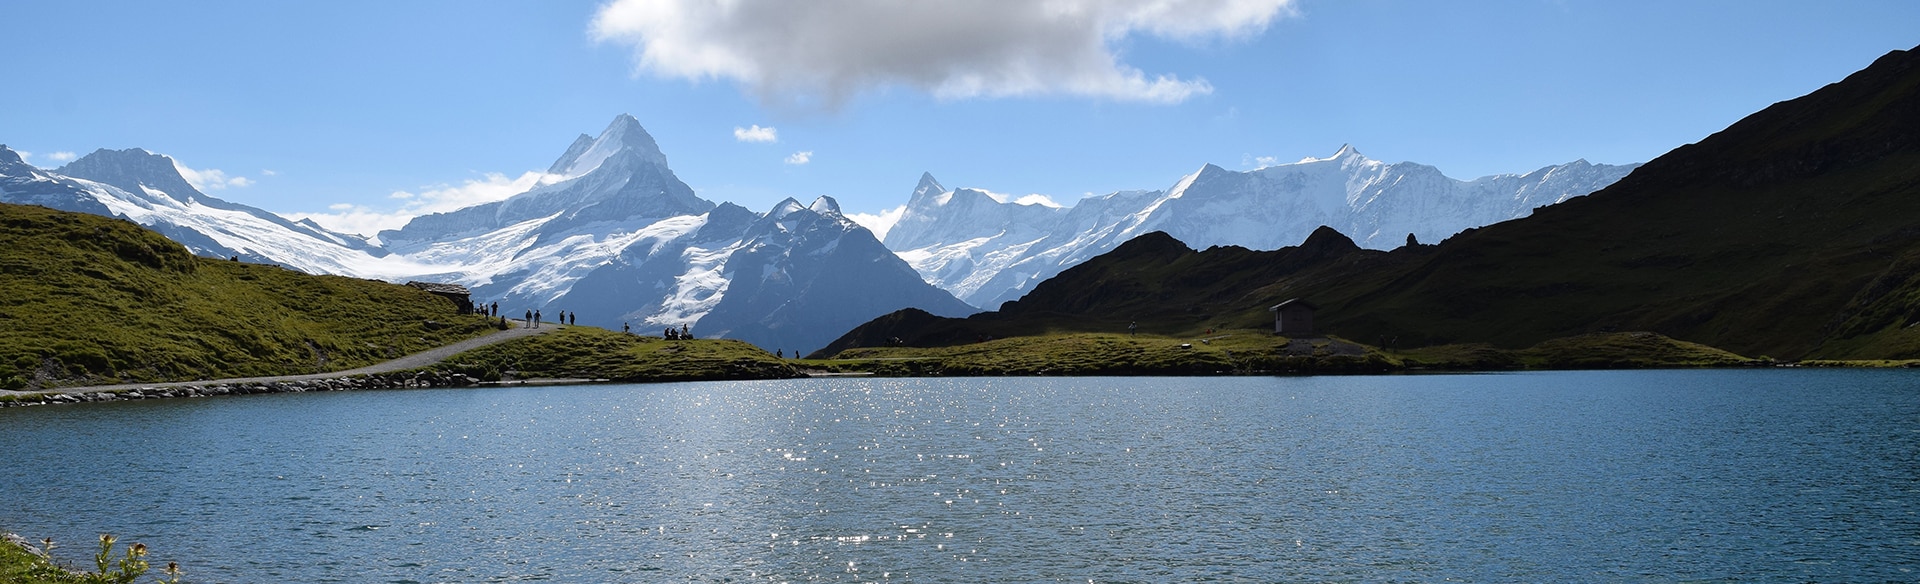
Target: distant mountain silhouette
1793	233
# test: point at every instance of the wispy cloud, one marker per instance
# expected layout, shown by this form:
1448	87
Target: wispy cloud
756	134
820	53
265	172
365	220
879	223
801	157
62	156
211	179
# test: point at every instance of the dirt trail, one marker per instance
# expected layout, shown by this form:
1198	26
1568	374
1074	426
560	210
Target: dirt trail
416	360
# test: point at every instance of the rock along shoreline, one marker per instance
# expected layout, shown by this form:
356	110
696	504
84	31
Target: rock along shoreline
371	381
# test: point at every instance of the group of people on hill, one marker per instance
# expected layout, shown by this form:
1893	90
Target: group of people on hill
533	318
683	333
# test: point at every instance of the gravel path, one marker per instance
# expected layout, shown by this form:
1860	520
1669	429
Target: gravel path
416	360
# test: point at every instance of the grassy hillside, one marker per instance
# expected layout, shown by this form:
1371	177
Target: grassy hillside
87	299
1794	233
1153	281
1257	351
1240	351
594	353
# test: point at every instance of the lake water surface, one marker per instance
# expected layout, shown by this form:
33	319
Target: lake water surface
1767	475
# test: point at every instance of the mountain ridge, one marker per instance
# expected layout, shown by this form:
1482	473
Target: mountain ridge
1788	234
987	250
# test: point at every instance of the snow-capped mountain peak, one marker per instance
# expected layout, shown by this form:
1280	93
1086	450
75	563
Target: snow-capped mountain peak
825	205
928	187
620	176
566	160
11	163
131	170
623	137
785	207
987	250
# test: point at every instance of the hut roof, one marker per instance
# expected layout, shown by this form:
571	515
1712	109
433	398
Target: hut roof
1293	302
440	287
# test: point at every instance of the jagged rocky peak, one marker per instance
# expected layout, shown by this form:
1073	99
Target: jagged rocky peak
825	205
785	207
131	168
928	187
579	147
624	137
9	160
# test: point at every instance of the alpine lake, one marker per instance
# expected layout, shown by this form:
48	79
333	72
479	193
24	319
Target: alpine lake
1767	475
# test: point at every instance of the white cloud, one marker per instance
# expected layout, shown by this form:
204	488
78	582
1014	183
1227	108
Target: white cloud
1037	199
879	223
801	157
1032	199
62	156
364	220
823	52
211	179
756	134
265	172
1258	162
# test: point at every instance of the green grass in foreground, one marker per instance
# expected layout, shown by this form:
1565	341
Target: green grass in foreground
595	353
87	300
18	565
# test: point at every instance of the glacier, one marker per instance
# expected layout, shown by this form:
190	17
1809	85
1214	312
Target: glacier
988	249
610	233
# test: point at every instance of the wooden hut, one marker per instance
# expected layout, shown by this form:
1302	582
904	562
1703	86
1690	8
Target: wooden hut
461	297
1293	318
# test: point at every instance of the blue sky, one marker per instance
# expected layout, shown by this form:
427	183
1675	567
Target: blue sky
365	112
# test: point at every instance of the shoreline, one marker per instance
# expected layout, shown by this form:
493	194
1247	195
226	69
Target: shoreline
199	389
430	379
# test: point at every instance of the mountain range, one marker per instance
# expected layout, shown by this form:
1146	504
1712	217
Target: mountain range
1790	234
988	248
610	233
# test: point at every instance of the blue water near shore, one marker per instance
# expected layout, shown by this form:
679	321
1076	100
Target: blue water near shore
1769	475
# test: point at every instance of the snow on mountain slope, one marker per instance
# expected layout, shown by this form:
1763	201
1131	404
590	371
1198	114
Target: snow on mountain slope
616	237
987	251
147	188
621	176
611	233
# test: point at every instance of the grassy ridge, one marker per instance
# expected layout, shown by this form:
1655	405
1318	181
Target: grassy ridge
87	299
593	353
1255	351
